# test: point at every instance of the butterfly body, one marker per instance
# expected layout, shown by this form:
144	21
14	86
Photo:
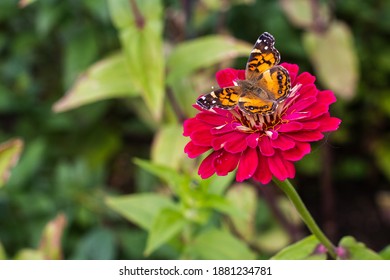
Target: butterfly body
250	92
266	83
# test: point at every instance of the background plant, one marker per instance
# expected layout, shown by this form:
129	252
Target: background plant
118	128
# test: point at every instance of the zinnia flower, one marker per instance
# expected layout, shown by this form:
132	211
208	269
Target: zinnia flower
261	146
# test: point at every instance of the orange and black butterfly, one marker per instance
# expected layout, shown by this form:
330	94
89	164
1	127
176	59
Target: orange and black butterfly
266	83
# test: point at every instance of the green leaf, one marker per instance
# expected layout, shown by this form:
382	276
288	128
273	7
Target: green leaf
384	99
218	184
98	244
29	163
140	27
301	250
105	79
47	19
120	16
288	210
167	224
244	199
334	58
201	206
357	250
219	244
203	52
382	156
385	253
168	146
167	174
140	209
132	242
196	197
29	254
3	255
9	155
272	239
300	12
219	203
123	16
50	244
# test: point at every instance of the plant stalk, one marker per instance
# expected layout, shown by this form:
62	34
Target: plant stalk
296	200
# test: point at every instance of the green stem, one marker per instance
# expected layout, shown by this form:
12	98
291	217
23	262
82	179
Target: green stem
294	197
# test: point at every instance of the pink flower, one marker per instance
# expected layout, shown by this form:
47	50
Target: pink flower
260	147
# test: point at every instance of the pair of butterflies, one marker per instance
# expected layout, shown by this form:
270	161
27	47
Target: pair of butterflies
266	84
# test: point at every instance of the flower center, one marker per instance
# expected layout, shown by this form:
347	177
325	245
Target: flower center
251	123
265	123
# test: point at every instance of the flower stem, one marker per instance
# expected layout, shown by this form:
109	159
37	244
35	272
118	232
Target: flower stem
294	197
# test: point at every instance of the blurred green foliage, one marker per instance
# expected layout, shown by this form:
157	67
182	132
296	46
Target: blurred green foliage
97	90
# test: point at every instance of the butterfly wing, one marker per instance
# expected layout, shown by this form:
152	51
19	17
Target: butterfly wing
276	82
250	103
273	83
224	98
263	56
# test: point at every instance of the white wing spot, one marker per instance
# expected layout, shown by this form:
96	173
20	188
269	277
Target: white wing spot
266	47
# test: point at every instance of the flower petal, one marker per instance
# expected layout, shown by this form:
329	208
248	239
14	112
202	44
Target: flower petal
265	146
326	96
290	126
248	165
307	91
194	151
297	116
310	125
331	124
306	136
233	142
292	70
281	168
283	143
302	104
212	118
252	140
225	162
324	99
206	168
202	137
305	78
226	77
189	126
262	173
272	134
298	152
225	128
317	109
237	143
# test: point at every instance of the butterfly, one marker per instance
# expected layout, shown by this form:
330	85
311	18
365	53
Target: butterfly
266	84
